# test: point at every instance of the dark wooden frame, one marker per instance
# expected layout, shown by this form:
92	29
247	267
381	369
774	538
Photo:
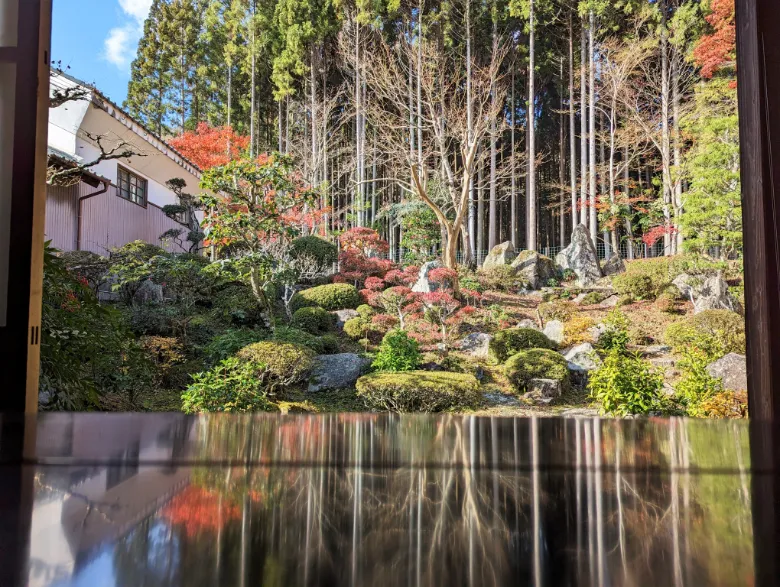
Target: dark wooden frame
122	168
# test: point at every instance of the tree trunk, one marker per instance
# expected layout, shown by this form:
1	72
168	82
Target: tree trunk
470	131
493	211
678	186
531	133
665	147
627	192
513	185
583	127
480	215
572	129
592	125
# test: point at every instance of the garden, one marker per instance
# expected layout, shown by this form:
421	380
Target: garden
267	316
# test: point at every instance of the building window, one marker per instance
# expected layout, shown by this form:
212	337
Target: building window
132	187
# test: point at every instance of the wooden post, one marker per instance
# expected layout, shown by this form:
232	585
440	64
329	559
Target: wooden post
25	33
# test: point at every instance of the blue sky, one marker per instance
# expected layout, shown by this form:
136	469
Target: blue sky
98	39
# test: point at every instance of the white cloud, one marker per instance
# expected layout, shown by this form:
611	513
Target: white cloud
121	42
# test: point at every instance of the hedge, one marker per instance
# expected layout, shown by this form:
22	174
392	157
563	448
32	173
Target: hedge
333	296
418	391
513	340
537	364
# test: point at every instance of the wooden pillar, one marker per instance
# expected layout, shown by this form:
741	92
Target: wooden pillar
25	33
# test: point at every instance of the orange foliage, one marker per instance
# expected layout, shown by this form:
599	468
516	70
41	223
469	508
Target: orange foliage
209	146
715	50
198	510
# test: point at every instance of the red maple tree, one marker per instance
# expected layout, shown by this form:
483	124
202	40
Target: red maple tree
210	146
717	49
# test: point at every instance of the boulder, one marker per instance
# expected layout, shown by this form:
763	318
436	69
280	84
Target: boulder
336	371
610	302
543	391
554	331
597	331
581	257
499	255
613	265
731	370
528	323
500	399
423	284
582	358
148	292
476	345
714	294
341	316
534	268
685	283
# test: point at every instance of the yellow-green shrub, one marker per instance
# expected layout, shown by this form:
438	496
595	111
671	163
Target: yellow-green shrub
333	296
537	364
639	287
561	310
278	363
418	391
715	332
575	330
512	340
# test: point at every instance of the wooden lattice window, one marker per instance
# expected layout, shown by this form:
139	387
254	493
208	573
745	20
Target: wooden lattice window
132	187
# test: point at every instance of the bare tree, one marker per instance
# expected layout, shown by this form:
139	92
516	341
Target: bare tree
446	141
110	147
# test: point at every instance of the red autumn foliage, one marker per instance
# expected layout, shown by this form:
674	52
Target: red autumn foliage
656	233
209	146
198	509
717	49
360	257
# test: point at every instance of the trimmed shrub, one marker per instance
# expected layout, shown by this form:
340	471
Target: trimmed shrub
592	298
312	320
626	384
333	296
231	386
330	344
537	364
513	340
714	332
726	404
357	328
299	337
398	352
558	310
615	337
500	278
278	364
639	287
322	252
235	304
666	302
696	385
625	300
365	311
230	342
662	270
418	391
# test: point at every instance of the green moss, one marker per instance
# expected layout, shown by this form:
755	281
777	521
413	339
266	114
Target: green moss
418	391
714	332
312	320
592	298
537	364
513	340
334	296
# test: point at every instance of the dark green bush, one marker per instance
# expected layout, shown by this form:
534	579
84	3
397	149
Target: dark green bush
592	298
230	342
231	386
235	304
513	340
714	332
278	364
398	352
536	364
639	287
300	337
322	252
418	391
313	320
330	344
626	384
334	296
501	278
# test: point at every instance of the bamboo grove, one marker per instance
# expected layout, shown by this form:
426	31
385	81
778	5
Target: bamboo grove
470	122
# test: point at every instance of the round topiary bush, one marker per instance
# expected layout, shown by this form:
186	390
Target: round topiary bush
714	332
537	364
357	328
639	287
321	252
313	320
398	352
300	337
513	340
333	296
278	363
418	391
365	311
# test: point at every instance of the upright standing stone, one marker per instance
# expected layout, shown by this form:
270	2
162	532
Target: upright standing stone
424	284
581	257
534	268
501	254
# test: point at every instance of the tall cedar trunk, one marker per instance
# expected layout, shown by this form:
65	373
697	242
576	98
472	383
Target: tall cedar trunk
627	192
252	90
358	197
572	129
480	215
492	214
314	134
513	186
472	221
419	93
678	186
583	126
665	147
592	126
562	169
531	132
602	185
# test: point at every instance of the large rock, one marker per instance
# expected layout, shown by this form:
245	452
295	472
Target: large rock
336	371
582	358
686	284
613	265
543	391
714	294
148	292
476	345
424	284
581	257
499	255
528	323
731	370
534	268
554	330
342	316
